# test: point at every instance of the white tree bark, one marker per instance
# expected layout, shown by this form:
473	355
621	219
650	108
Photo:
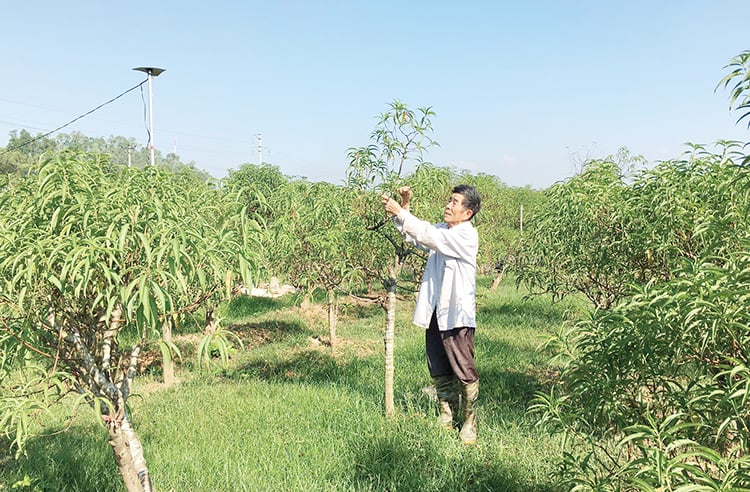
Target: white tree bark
390	337
128	455
332	318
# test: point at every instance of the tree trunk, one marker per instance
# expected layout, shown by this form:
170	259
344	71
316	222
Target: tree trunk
390	336
126	447
210	321
306	301
332	318
128	455
498	279
167	362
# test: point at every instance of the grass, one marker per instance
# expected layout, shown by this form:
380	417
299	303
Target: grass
288	414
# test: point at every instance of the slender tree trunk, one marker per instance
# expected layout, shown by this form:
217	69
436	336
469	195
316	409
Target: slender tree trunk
498	279
128	455
332	318
210	321
123	459
390	330
306	301
136	451
390	337
167	363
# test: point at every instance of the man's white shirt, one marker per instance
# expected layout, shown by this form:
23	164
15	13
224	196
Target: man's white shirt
449	281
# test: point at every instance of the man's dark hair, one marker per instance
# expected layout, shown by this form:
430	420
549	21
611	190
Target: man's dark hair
472	200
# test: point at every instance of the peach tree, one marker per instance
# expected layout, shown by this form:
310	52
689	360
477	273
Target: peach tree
654	383
314	240
394	158
96	258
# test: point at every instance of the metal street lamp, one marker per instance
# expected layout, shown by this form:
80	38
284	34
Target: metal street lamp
152	72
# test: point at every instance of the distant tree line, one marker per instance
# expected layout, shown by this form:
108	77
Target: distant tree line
24	151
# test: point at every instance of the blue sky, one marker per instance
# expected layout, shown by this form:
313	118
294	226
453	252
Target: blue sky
522	90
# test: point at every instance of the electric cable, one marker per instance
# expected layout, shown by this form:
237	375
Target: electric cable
74	120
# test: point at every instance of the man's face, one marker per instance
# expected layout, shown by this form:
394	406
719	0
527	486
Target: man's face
455	212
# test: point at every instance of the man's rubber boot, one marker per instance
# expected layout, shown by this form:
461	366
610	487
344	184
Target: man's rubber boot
447	395
468	432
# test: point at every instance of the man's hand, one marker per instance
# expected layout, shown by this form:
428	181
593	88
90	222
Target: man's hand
405	192
390	204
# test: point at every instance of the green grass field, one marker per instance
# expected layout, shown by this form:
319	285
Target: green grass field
288	415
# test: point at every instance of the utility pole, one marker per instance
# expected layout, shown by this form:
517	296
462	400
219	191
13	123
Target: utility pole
152	72
260	149
130	154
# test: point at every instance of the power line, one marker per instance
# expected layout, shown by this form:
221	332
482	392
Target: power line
74	120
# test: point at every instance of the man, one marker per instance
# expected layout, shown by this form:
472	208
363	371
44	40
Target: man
446	303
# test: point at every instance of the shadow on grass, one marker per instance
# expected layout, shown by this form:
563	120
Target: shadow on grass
393	463
531	312
510	377
360	311
252	335
506	395
246	306
505	392
78	459
268	331
313	367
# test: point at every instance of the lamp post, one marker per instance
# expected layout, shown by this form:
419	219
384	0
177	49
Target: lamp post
152	72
